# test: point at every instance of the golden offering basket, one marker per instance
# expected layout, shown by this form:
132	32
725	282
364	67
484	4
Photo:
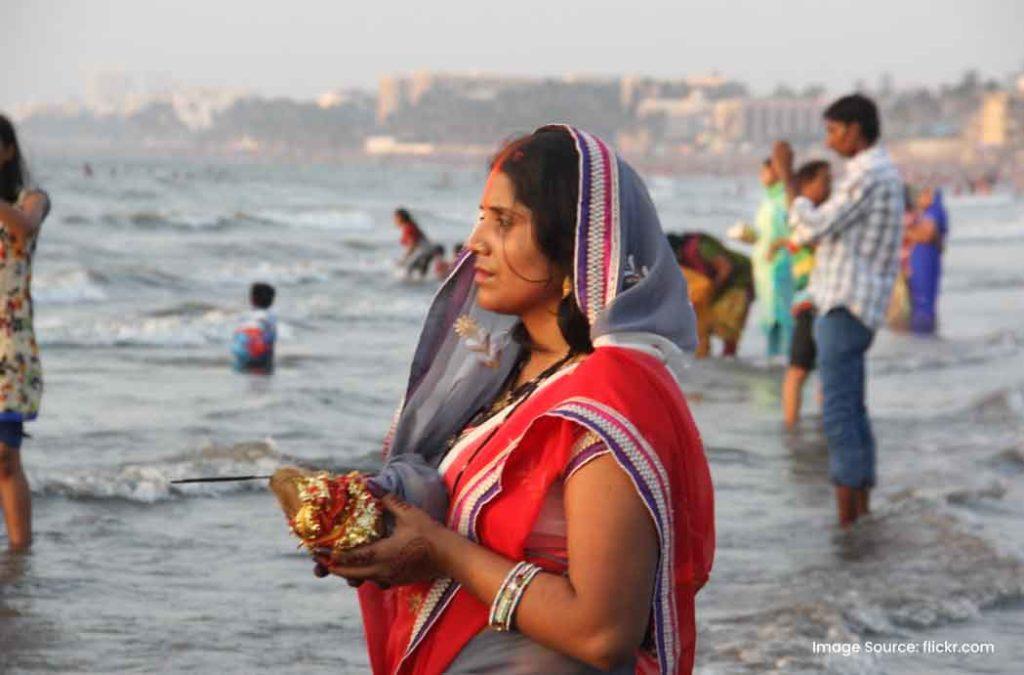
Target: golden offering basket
328	511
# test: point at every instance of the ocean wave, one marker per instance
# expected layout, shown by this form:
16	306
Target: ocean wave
150	482
914	354
190	308
183	220
150	277
910	566
299	272
174	330
68	287
994	200
327	218
177	220
1009	461
1000	406
187	325
983	281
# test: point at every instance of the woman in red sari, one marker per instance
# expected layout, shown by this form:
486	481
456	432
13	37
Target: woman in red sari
545	394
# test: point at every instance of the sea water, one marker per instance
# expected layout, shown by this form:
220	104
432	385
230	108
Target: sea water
142	272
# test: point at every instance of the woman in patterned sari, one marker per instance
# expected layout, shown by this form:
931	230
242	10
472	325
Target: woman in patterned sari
22	211
545	395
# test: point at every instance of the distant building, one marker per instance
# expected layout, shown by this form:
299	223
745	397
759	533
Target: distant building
106	92
761	121
999	121
685	120
197	107
389	145
399	92
470	109
331	99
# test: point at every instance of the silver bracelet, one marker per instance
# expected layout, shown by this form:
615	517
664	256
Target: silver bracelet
528	575
500	597
509	595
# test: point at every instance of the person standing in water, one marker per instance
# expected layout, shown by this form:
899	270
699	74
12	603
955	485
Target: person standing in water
588	553
814	184
22	211
773	276
253	341
926	235
857	232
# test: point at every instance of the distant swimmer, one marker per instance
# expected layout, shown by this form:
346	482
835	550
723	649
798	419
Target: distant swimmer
87	170
419	250
253	341
442	265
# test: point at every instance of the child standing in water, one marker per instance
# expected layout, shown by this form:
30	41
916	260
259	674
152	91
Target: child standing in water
814	185
253	343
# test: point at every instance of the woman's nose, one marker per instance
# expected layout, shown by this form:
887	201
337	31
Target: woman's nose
476	242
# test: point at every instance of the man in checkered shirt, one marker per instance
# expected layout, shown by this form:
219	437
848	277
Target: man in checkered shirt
857	232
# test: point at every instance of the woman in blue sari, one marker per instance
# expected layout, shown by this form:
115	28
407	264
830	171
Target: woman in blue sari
928	238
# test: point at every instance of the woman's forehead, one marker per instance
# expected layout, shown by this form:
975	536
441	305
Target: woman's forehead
499	194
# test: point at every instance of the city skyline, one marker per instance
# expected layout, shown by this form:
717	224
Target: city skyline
55	46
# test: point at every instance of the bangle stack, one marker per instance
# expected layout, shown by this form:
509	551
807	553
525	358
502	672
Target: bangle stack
503	609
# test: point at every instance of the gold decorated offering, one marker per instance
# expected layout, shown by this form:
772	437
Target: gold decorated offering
328	511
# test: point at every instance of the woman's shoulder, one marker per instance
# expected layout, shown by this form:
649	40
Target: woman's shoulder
624	357
625	376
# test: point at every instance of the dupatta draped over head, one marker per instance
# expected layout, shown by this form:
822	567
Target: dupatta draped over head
627	283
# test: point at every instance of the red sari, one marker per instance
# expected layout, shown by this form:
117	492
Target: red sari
632	402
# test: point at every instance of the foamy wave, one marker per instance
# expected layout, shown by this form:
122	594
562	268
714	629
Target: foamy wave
340	218
75	286
1007	404
305	271
210	327
151	482
177	220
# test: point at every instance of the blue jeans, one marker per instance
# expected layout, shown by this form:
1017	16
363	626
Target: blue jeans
842	343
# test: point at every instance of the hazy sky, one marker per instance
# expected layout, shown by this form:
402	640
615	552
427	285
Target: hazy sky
303	47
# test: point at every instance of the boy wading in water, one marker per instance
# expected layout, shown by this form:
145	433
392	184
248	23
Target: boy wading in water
253	342
857	232
813	185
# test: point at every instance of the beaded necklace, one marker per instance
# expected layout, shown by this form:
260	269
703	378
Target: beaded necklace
510	395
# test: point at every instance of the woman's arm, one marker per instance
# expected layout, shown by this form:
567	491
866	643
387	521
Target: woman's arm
598	614
923	231
24	218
